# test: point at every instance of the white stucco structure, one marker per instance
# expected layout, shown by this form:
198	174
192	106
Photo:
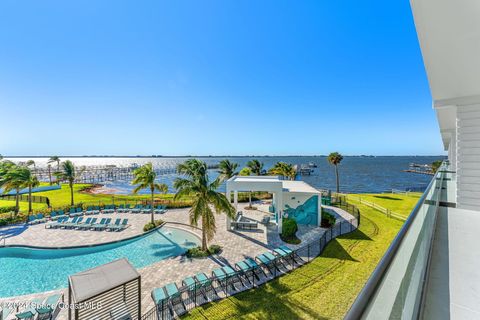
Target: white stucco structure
449	36
285	193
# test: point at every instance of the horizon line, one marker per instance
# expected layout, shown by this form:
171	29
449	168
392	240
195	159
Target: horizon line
211	156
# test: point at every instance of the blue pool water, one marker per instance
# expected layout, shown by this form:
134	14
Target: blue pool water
25	271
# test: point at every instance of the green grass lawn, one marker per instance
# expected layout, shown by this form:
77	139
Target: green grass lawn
61	198
324	288
400	203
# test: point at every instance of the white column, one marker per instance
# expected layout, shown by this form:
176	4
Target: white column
319	210
278	203
235	200
229	197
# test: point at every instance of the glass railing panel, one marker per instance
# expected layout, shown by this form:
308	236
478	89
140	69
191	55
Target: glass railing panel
394	290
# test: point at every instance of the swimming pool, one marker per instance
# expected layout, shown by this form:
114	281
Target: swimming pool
27	270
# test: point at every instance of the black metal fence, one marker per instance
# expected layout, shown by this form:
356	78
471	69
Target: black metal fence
191	296
24	198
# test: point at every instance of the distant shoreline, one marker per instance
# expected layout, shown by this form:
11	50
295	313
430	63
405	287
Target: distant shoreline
223	156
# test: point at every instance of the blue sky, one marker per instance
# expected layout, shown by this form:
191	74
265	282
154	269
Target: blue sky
212	77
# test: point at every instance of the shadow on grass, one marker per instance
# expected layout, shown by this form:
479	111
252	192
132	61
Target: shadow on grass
270	301
388	198
336	251
355	235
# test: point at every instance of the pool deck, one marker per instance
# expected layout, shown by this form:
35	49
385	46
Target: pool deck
237	245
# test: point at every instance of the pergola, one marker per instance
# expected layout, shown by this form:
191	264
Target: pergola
285	194
271	184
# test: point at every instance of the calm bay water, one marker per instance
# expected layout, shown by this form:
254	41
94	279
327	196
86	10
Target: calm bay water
357	174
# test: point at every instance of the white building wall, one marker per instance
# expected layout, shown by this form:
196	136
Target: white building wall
468	156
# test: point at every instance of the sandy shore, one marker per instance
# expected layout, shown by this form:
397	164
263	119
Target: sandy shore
100	189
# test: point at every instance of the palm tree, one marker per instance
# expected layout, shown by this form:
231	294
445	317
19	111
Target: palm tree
247	172
31	163
285	170
145	178
197	185
226	168
69	173
334	159
49	167
18	177
256	167
9	181
57	160
28	180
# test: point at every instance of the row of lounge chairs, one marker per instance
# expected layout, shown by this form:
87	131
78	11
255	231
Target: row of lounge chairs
77	223
93	210
201	289
37	308
37	218
142	209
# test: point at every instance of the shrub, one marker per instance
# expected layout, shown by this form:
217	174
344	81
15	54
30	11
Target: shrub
149	226
11	220
7	209
197	252
328	220
289	227
289	230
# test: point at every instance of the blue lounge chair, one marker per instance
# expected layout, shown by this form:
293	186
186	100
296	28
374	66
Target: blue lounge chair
41	218
49	307
253	264
61	214
194	288
115	225
32	220
160	298
31	311
287	254
269	264
174	295
56	223
277	262
120	227
233	275
4	313
94	221
68	224
53	215
224	279
89	210
101	225
247	270
137	208
108	209
160	209
147	209
206	283
127	208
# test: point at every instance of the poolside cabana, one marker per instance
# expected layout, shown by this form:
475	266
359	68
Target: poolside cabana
294	199
110	291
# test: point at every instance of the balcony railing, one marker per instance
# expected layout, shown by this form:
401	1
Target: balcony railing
395	290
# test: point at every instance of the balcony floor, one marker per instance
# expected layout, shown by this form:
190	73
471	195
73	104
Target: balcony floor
453	290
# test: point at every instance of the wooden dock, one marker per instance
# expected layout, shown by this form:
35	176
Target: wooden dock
99	174
431	173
